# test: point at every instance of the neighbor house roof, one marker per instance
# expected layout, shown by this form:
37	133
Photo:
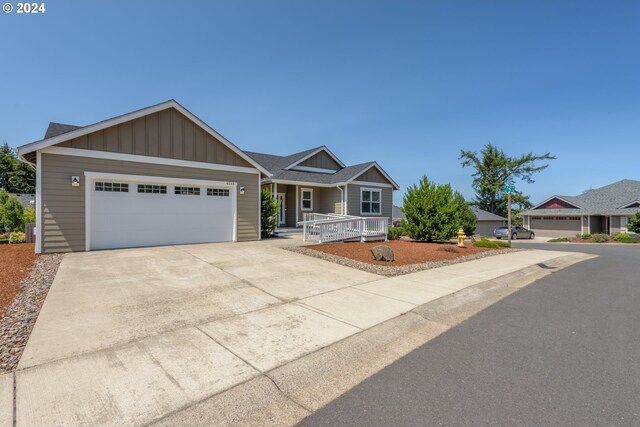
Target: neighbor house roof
482	215
277	166
397	213
26	200
608	200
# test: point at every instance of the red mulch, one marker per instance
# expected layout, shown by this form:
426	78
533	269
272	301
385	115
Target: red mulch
15	263
404	251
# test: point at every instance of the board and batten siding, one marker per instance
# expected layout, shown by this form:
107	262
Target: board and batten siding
329	198
321	160
373	175
167	133
353	202
63	206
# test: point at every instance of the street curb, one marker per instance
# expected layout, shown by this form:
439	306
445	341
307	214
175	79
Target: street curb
286	395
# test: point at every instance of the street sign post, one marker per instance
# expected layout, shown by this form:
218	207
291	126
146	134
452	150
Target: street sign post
509	189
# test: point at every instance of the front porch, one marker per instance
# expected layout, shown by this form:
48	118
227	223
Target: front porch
298	200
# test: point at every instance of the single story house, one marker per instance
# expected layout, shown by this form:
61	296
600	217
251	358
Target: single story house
487	221
601	210
162	176
398	215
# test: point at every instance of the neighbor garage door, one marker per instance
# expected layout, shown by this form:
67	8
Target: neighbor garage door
126	212
555	226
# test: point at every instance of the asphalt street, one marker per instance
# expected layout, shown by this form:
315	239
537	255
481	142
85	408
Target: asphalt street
562	351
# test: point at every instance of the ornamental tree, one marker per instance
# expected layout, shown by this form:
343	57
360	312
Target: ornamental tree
269	208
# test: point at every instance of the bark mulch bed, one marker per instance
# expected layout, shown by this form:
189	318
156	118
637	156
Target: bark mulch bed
15	263
21	314
410	256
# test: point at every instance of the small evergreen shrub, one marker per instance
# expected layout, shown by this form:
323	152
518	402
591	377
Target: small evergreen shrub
269	208
560	239
503	244
620	236
586	236
17	237
13	214
600	238
394	233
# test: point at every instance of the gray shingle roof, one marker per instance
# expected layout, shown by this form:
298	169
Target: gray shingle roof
606	200
276	164
397	213
26	199
483	215
56	129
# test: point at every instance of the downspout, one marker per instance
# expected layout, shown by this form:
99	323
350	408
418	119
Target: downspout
341	200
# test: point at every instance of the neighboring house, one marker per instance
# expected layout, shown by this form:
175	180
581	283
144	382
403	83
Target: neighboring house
398	215
161	176
601	210
487	221
27	200
316	181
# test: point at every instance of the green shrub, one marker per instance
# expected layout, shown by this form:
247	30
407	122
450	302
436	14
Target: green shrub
486	244
634	223
29	215
630	240
586	236
600	238
13	215
17	237
394	233
620	236
269	208
560	239
503	244
435	212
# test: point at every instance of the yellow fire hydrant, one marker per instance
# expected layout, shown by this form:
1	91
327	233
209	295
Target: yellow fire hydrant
461	237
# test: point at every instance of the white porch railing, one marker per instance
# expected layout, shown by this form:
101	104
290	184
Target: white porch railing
325	228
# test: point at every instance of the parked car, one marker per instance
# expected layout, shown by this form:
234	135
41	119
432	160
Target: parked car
516	232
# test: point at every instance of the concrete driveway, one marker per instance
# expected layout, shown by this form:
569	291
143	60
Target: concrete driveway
128	336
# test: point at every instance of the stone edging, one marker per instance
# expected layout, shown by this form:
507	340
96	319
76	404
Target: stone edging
396	270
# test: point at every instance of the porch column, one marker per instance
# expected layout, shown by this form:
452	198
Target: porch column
275	190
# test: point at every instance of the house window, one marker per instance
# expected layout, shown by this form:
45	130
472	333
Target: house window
114	187
152	189
370	201
191	191
307	199
223	192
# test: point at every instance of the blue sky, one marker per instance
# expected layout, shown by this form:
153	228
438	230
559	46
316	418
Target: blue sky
405	83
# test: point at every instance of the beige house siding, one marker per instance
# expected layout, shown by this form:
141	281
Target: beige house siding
316	201
329	198
373	175
63	206
290	212
167	133
353	202
321	160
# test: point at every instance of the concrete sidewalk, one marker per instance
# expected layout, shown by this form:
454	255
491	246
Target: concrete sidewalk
148	377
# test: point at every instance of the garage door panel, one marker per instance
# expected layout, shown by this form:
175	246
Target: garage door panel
556	227
132	219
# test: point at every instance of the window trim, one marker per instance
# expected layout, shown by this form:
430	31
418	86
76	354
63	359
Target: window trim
302	199
371	190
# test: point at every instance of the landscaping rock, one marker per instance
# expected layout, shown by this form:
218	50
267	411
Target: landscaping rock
382	253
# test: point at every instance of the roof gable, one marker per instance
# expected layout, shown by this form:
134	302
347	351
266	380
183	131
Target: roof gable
556	203
194	131
319	154
375	172
55	129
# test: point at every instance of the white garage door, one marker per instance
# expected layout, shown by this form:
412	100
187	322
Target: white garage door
125	213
